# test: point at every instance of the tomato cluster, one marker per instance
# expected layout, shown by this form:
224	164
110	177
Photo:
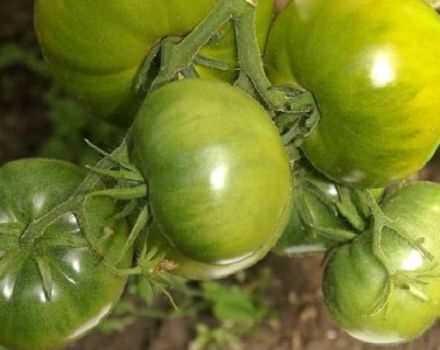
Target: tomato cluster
223	164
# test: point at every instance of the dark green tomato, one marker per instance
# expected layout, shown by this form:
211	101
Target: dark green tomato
77	290
219	178
355	281
96	48
196	270
373	68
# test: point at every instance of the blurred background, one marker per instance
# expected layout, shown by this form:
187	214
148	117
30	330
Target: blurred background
276	305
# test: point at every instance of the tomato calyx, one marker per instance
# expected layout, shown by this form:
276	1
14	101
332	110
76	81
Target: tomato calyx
326	215
396	278
295	126
22	243
339	200
75	205
178	56
406	280
339	204
151	263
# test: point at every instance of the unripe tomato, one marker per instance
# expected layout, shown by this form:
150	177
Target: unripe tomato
373	68
96	48
355	281
58	289
218	177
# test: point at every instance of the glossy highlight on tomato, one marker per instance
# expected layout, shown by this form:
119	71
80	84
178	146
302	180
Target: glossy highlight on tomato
355	281
57	290
373	69
218	176
96	48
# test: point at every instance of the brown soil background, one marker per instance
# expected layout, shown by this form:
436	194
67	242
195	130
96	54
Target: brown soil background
304	322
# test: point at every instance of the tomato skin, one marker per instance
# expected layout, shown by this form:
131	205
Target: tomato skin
201	271
371	66
354	278
95	48
219	178
83	290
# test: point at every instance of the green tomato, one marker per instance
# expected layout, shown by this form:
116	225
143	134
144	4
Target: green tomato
355	280
96	48
59	289
201	271
218	176
373	69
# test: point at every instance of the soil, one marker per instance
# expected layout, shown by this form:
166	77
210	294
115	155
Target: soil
304	324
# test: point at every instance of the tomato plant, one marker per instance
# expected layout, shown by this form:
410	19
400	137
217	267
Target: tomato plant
95	49
372	67
397	299
211	175
219	181
57	289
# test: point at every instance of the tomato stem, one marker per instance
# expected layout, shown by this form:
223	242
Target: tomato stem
279	99
73	205
178	56
141	223
210	63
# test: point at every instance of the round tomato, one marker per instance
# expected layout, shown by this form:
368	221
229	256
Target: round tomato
218	177
373	69
58	289
355	281
96	48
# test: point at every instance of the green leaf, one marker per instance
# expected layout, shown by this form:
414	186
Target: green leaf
12	54
46	276
232	303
